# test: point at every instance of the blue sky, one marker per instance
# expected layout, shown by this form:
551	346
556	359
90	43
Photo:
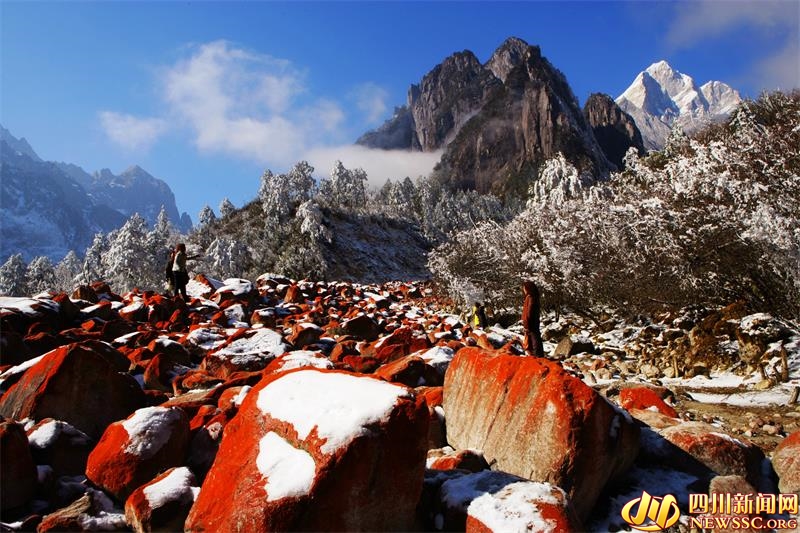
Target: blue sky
206	95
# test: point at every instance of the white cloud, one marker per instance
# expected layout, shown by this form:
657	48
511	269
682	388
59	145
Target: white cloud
253	106
380	165
130	132
698	21
242	103
782	70
371	99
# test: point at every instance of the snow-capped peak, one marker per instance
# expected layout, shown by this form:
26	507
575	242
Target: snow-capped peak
661	95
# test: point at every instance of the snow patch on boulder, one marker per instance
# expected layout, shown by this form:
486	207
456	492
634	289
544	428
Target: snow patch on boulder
339	406
289	471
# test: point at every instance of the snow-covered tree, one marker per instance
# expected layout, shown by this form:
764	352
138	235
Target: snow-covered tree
227	258
13	277
41	275
346	188
226	208
206	216
93	260
126	264
67	270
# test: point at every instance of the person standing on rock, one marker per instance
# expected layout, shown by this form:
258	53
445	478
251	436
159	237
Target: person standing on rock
531	308
180	275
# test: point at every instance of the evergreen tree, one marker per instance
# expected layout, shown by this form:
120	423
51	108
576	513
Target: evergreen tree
93	261
67	270
41	275
226	208
206	216
126	265
13	277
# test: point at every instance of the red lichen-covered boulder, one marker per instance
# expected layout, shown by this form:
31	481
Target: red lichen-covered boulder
436	430
304	334
535	420
317	449
80	384
132	452
719	452
294	295
57	444
250	352
786	462
160	373
205	443
449	459
298	359
408	371
170	350
361	327
18	479
645	398
162	504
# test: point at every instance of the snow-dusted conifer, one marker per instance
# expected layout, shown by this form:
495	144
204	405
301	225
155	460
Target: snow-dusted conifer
226	208
67	270
206	216
93	260
41	274
13	276
126	265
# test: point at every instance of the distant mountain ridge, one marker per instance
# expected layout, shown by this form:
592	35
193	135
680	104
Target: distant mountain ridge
497	122
660	96
49	208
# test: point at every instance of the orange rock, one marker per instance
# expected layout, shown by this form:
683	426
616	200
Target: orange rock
288	462
80	384
132	452
533	419
645	398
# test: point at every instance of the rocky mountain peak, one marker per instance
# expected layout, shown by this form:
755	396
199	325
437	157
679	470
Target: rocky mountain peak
509	55
614	129
497	122
20	145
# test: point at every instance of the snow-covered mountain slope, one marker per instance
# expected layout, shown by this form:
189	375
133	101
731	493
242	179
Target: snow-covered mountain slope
661	96
51	208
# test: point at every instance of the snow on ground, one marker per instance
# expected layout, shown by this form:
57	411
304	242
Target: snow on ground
289	471
48	432
149	429
264	343
304	358
207	338
513	508
779	395
22	367
439	357
177	486
340	406
28	306
236	287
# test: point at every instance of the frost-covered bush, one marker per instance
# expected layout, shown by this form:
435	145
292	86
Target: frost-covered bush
707	220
